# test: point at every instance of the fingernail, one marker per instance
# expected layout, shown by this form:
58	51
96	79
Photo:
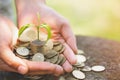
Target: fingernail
22	69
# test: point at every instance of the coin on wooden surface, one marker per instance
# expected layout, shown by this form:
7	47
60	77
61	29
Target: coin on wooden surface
61	78
23	51
78	74
49	44
70	78
79	65
86	68
28	35
80	59
98	68
38	57
80	51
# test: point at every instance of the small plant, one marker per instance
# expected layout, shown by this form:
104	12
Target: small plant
44	25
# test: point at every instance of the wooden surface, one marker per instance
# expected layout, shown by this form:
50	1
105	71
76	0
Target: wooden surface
99	52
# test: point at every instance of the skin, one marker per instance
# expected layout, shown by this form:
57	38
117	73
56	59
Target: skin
61	30
9	62
26	13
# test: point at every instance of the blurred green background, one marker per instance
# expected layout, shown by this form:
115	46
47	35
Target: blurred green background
99	18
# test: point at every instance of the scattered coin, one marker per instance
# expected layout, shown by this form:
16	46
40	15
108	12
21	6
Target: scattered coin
79	65
71	78
61	78
98	68
80	51
86	68
38	57
23	51
80	59
78	74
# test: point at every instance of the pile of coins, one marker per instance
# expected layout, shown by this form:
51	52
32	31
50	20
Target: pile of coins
80	68
40	51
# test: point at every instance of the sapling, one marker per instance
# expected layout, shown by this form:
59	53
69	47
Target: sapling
44	25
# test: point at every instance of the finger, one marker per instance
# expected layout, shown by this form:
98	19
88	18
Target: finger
25	19
69	36
67	66
44	68
69	54
16	63
5	67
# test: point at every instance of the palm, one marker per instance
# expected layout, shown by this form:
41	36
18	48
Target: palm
61	30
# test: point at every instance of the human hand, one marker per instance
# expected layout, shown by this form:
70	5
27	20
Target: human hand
9	62
60	27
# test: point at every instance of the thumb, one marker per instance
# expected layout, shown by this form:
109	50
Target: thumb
16	63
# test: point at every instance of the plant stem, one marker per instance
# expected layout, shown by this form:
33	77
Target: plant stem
38	27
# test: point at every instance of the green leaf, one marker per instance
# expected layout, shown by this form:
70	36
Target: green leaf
47	27
23	28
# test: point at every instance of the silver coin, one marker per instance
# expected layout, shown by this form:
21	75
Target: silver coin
50	53
62	61
80	59
58	47
78	74
61	78
38	57
80	51
23	51
86	68
71	78
98	68
56	43
62	50
49	44
53	59
79	65
22	57
60	58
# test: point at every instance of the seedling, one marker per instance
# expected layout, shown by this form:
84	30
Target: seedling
44	25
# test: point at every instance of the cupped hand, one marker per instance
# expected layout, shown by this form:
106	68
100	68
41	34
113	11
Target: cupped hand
60	27
12	63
